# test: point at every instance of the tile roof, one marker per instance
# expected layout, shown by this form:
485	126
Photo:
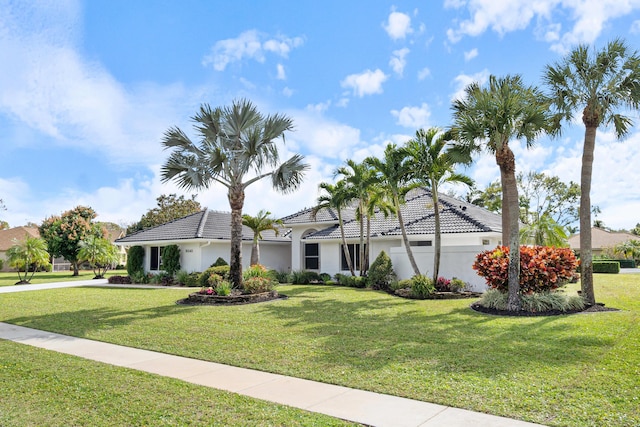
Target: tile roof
204	225
601	239
456	216
18	233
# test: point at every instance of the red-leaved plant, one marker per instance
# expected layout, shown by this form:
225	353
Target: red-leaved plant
542	268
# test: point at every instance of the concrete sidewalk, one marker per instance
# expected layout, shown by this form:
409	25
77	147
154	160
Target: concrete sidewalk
346	403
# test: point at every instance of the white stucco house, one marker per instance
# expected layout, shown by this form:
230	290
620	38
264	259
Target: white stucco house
314	243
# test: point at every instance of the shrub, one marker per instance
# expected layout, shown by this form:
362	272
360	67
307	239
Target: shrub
443	285
171	259
325	277
223	288
422	286
119	280
258	284
351	281
400	284
203	279
187	279
282	276
457	285
542	268
139	277
219	262
304	277
606	267
1	264
164	279
257	270
381	272
538	302
135	260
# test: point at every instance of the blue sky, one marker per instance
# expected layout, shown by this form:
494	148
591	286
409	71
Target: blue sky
88	88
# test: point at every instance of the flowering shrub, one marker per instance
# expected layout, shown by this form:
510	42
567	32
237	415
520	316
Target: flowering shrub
443	285
207	291
542	268
256	285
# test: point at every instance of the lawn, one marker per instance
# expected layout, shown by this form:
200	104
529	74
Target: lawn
578	370
10	278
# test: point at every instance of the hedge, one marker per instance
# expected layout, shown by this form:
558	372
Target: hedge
606	267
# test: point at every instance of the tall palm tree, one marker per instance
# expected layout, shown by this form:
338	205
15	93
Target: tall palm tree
598	84
259	223
395	176
434	158
489	117
28	255
544	231
236	148
360	179
336	196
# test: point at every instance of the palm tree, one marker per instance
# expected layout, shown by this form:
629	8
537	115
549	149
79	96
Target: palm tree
259	223
237	148
395	176
433	158
28	255
335	197
99	253
360	179
544	231
598	84
489	117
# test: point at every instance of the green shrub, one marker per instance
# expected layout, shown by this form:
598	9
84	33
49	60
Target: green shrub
422	286
223	270
171	259
187	279
606	267
457	285
381	274
282	276
624	263
351	281
223	288
400	284
135	260
1	264
325	277
219	262
258	284
304	277
534	303
258	270
163	278
139	278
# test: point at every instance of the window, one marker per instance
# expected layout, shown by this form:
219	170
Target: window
311	256
354	254
486	242
156	258
420	243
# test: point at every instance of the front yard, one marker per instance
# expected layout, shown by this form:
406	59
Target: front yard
576	370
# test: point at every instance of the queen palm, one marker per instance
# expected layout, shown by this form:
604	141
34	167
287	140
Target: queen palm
100	253
395	177
434	158
336	196
259	223
236	148
489	117
28	255
598	84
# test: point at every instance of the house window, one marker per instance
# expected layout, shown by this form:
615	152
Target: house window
354	254
311	256
486	242
156	258
421	243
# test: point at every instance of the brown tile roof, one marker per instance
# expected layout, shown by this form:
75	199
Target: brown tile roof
602	238
18	233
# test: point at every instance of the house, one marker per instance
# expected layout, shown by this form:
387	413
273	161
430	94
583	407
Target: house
602	240
203	237
314	243
466	230
8	238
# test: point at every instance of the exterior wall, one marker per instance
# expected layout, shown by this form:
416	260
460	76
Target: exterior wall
273	255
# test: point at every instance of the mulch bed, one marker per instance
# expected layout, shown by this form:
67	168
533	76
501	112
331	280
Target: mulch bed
197	298
598	307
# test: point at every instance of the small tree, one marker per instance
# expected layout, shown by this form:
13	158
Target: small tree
135	260
171	259
28	256
259	223
99	253
381	273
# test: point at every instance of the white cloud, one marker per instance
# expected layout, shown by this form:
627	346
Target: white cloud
413	117
250	44
635	27
323	137
288	92
398	25
282	75
366	83
469	55
398	61
424	73
461	81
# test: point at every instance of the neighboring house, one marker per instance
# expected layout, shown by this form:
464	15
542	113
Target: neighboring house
601	240
113	235
466	230
18	233
203	237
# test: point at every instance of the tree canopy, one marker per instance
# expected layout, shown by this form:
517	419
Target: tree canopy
170	207
28	256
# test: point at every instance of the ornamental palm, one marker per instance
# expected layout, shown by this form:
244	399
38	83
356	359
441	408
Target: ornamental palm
489	117
100	253
335	197
395	177
27	255
236	148
259	223
434	158
598	84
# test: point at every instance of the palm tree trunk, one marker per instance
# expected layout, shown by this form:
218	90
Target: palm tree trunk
438	243
361	251
255	251
75	268
407	246
345	248
586	256
505	205
236	202
507	163
367	246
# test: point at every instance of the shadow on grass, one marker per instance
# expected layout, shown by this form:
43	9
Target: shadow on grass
373	332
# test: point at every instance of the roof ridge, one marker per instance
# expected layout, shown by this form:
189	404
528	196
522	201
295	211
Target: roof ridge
201	224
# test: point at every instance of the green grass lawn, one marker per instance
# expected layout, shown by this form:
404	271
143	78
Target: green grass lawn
10	278
578	370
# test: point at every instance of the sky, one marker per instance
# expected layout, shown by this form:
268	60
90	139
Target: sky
88	88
